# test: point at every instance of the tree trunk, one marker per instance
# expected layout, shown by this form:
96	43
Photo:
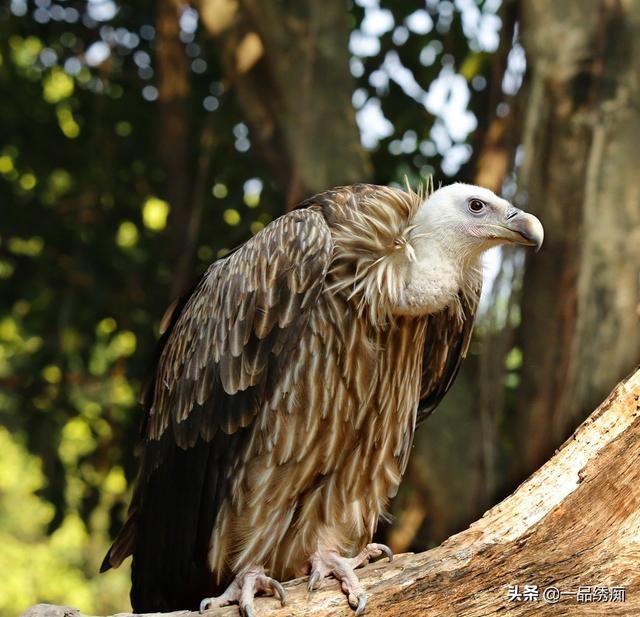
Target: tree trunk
580	320
174	143
460	447
571	533
289	66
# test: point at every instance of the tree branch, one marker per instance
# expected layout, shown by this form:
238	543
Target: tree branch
575	522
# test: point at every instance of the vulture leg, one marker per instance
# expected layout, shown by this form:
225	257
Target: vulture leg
243	589
329	562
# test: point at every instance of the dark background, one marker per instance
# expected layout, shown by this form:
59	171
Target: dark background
141	140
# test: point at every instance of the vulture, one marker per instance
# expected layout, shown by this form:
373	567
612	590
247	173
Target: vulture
288	385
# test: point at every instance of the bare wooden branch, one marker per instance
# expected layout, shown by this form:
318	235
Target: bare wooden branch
573	524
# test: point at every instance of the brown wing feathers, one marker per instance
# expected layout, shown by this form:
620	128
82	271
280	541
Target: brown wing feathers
447	339
226	345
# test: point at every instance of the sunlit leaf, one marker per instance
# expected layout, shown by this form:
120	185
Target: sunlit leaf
106	326
57	86
123	344
472	65
6	164
205	253
77	440
154	213
127	235
60	182
231	217
115	482
513	361
123	128
9	330
32	247
219	190
52	373
27	181
66	121
24	51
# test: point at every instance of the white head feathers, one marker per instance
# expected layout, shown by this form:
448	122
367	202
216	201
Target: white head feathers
399	253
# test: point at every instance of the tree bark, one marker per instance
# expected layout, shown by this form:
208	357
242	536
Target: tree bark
173	137
580	308
575	523
289	66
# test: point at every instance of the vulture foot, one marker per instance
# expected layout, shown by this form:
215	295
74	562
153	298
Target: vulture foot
329	562
243	589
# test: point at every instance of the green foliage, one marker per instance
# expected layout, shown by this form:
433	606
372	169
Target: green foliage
56	567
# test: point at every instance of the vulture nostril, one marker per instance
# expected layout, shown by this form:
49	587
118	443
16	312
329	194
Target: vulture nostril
511	213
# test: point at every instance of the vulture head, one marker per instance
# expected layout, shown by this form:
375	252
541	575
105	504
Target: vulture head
470	219
450	230
416	255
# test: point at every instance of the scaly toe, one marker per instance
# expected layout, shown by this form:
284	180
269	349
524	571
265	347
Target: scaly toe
209	603
329	562
243	589
352	599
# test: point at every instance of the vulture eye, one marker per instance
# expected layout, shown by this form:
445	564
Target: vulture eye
476	205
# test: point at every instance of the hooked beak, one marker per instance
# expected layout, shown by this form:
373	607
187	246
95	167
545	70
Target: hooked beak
523	228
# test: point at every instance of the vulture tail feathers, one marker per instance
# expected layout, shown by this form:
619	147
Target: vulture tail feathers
122	546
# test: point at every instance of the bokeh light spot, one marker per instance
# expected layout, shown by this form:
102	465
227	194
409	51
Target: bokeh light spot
219	190
57	86
154	213
52	373
127	235
231	217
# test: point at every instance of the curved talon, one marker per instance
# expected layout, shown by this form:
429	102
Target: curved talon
279	589
204	605
313	580
247	610
385	549
362	603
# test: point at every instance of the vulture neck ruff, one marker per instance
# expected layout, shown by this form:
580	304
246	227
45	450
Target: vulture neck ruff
390	266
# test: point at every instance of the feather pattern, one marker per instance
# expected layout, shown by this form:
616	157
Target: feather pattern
285	399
